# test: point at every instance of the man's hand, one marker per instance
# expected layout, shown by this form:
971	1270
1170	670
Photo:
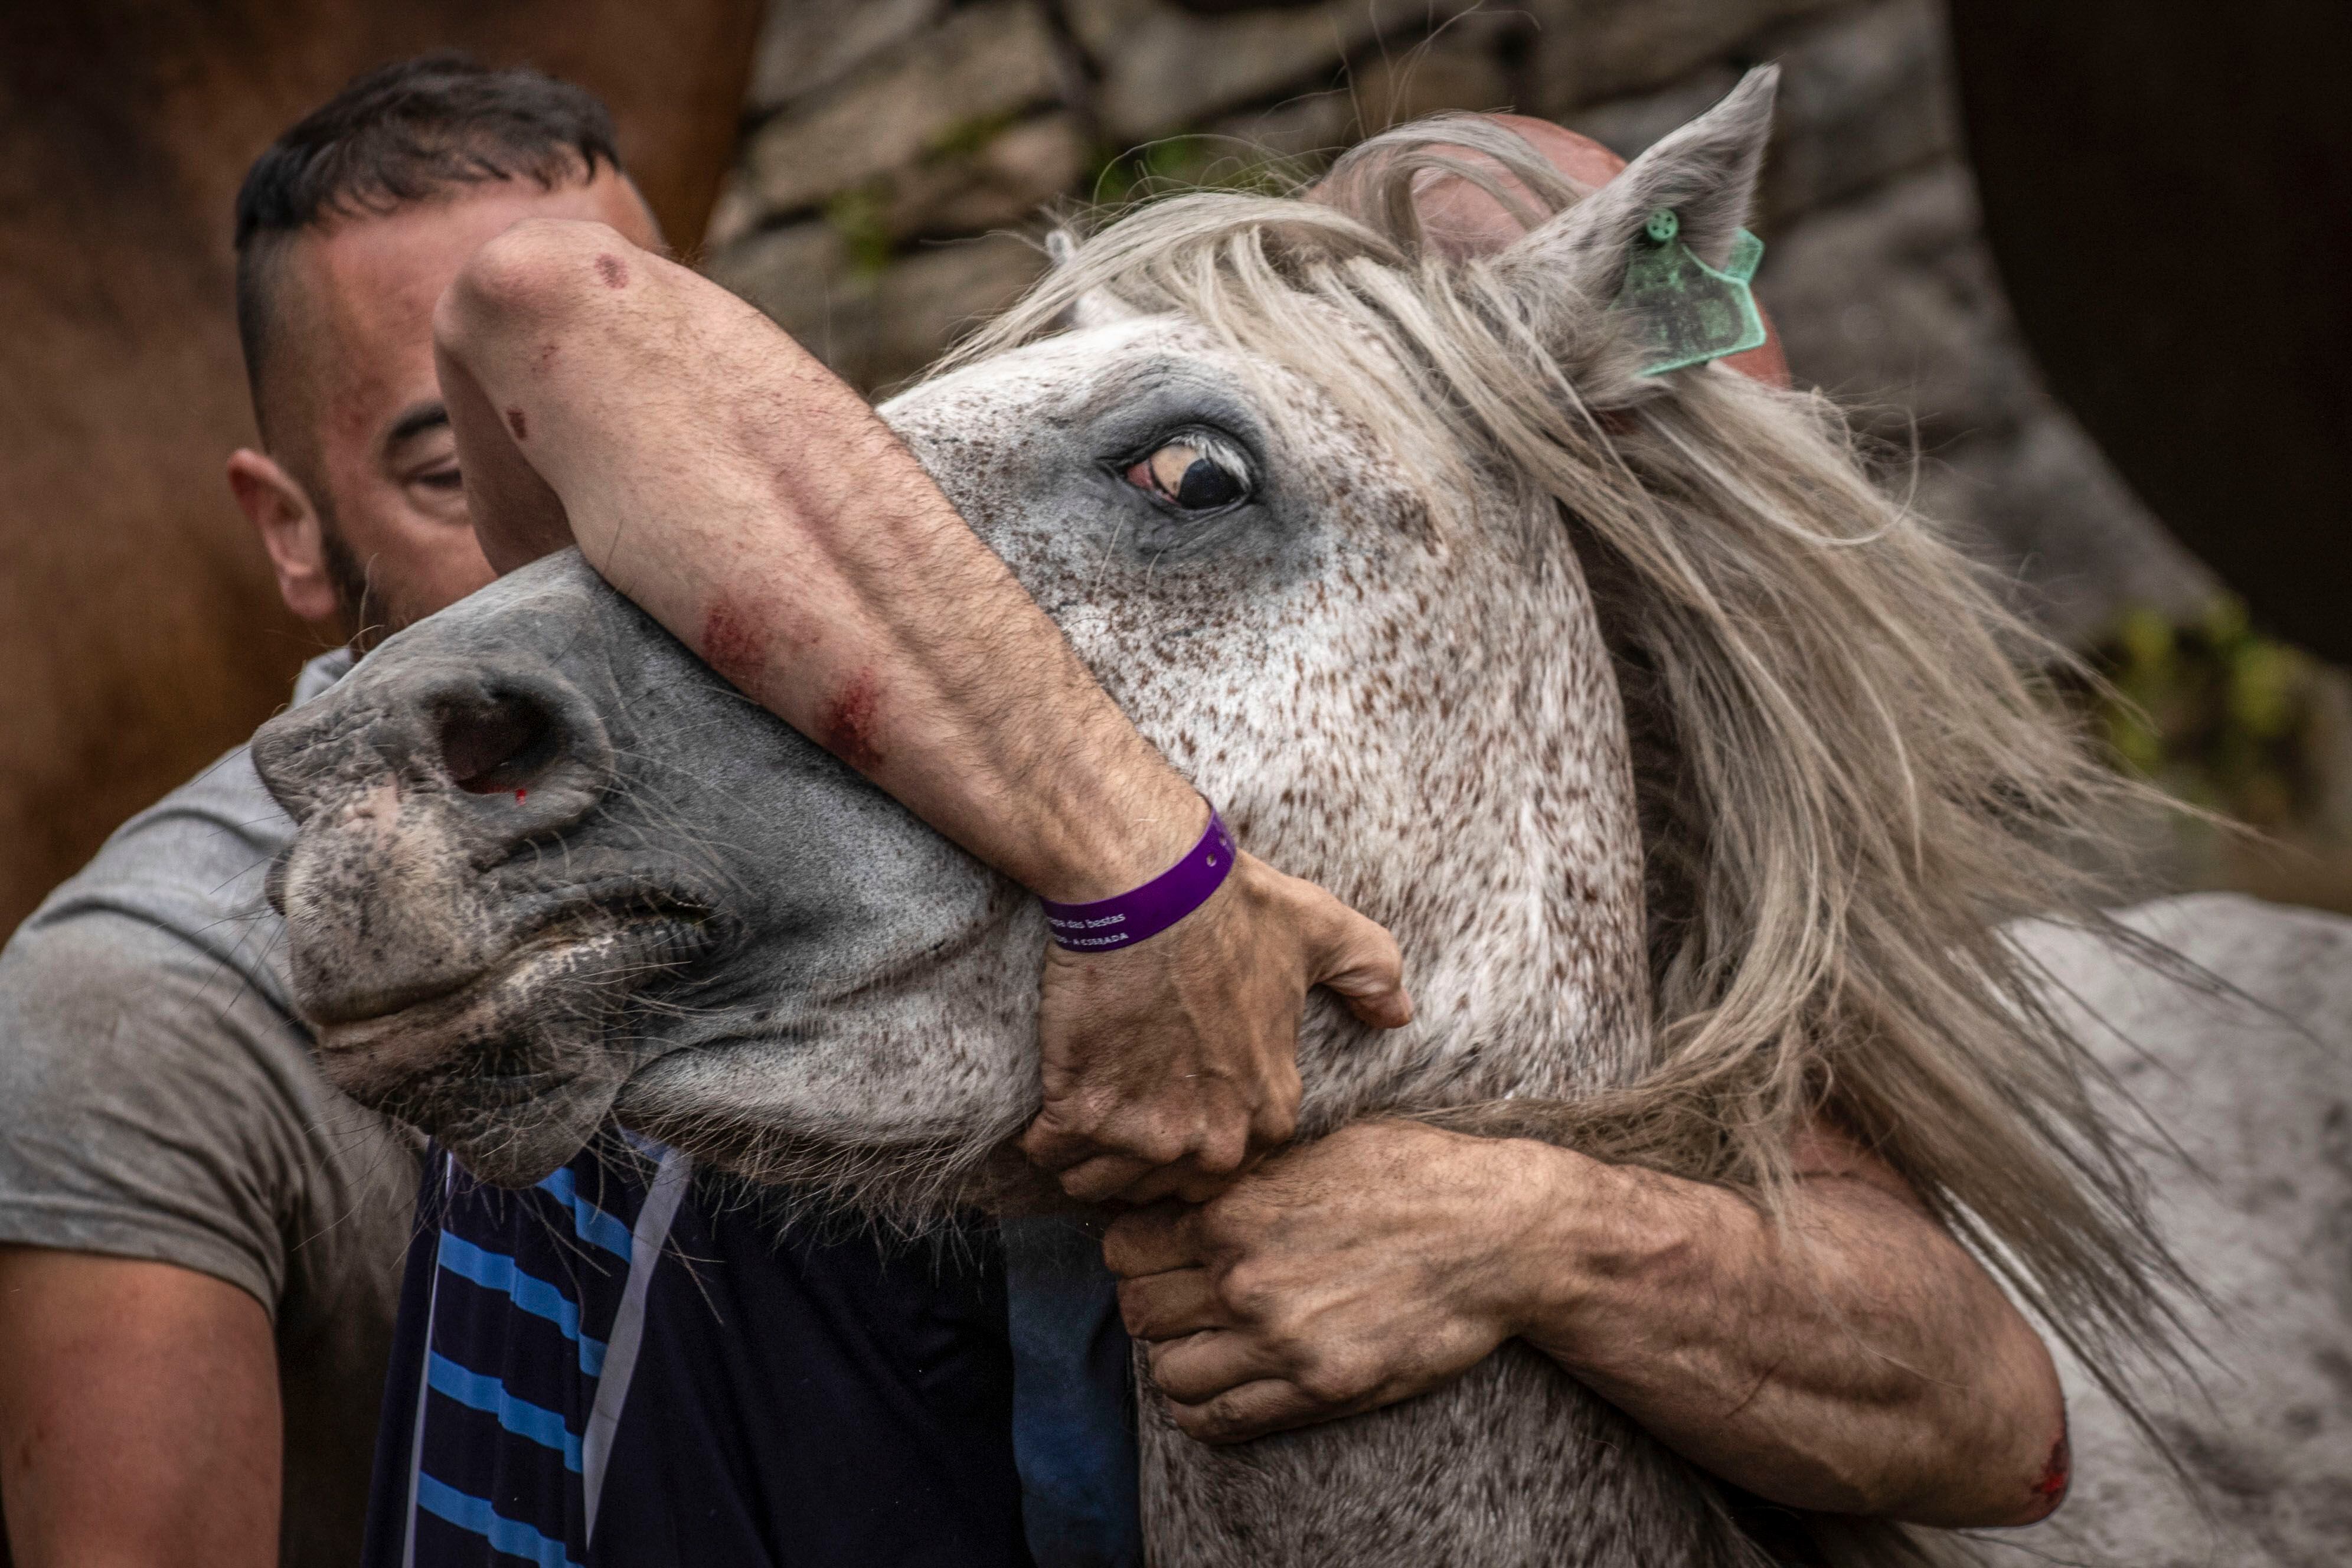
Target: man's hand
1170	1065
1375	1265
1855	1359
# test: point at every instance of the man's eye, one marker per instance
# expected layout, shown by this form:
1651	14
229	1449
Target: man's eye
1195	473
448	480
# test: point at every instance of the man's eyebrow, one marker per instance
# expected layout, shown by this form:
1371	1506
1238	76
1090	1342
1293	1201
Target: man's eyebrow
433	415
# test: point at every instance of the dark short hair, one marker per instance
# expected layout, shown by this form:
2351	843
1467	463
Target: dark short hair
401	134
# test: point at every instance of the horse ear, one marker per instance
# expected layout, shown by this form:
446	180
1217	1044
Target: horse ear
1704	173
1096	307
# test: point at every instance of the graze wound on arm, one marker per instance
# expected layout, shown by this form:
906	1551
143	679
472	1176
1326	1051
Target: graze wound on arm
732	645
518	423
2057	1473
613	270
846	726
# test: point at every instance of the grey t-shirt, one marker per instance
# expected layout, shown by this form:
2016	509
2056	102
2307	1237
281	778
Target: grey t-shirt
157	1101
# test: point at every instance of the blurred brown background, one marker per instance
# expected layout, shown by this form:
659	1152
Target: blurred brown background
2165	201
140	632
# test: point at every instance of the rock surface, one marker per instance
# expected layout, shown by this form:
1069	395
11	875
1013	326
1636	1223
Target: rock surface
939	86
882	128
2255	1194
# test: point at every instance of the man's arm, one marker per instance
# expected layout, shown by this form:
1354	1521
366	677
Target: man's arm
754	505
139	1419
1858	1362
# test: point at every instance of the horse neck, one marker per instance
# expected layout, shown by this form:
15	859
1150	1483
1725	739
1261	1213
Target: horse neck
1518	895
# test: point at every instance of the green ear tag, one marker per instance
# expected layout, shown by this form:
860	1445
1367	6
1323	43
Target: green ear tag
1689	313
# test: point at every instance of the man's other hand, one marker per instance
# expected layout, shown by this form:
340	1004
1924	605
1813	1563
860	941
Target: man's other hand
1171	1065
1350	1273
1848	1356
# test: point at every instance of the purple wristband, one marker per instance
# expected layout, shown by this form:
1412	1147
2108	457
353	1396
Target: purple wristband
1147	910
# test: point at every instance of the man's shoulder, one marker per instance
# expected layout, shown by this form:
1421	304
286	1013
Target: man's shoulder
158	1098
191	866
187	872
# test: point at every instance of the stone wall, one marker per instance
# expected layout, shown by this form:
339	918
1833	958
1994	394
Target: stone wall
897	153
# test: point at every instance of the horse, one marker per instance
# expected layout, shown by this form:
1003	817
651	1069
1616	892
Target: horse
1696	777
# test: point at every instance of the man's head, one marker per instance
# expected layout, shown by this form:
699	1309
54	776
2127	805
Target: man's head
348	229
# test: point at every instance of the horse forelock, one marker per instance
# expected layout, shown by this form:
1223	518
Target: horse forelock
1850	775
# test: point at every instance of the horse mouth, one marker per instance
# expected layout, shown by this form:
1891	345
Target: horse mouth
523	1027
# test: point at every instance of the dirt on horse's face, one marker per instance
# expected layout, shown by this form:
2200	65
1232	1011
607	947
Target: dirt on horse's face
551	867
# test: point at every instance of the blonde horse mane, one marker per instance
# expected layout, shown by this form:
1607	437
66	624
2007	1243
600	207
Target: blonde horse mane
1850	777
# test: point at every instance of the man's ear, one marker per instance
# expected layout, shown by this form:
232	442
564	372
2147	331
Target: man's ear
291	530
1704	173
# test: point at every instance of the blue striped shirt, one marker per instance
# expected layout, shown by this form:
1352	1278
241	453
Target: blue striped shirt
628	1365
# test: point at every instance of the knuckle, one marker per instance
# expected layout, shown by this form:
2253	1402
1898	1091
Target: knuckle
1212	1423
1140	1307
1245	1290
1049	1147
1176	1377
1332	1379
1083	1115
1194	1421
1221	1156
1276	1123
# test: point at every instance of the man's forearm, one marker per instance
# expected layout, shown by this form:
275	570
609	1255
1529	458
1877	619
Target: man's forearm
755	506
1858	1362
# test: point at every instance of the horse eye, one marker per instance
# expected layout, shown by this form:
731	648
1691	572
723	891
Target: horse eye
1193	474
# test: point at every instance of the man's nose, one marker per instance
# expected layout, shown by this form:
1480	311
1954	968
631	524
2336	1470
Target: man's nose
511	749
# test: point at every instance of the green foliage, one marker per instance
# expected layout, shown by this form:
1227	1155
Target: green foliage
1174	164
860	217
2211	710
967	138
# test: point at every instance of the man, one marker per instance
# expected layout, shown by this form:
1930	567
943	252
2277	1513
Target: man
200	1240
1348	1273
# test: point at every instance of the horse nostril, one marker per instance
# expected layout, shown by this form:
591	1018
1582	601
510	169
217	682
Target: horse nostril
497	745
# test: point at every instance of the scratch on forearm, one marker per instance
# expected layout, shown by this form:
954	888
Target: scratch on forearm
1757	1388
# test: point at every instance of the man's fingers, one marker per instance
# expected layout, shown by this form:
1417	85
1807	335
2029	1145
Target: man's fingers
1151	1241
1052	1147
1061	1139
1251	1410
1357	958
1105	1177
1167	1305
1189	1151
1200	1366
1186	1181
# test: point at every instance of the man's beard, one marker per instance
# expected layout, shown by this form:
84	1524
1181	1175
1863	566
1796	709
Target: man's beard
348	576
